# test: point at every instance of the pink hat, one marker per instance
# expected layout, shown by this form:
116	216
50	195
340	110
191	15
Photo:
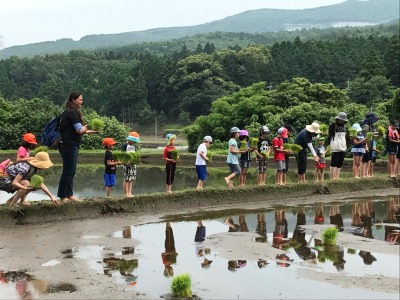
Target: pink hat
244	133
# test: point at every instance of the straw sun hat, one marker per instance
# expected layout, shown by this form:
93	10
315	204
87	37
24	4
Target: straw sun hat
41	161
314	127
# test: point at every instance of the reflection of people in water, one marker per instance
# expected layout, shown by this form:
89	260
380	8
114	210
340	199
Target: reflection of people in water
169	255
232	226
367	257
362	219
335	216
243	224
236	264
281	231
303	251
26	286
281	258
261	228
127	232
392	234
319	214
199	239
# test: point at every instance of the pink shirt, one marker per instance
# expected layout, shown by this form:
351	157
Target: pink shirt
22	152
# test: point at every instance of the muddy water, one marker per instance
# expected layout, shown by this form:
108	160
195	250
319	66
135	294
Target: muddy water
150	179
155	252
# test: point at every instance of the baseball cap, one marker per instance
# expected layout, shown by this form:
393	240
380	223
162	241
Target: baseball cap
280	130
234	129
29	138
108	142
208	138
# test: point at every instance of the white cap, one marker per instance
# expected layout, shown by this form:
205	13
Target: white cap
208	138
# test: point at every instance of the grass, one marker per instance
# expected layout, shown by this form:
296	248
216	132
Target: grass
181	286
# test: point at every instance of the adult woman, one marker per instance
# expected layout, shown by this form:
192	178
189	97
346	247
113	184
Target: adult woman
392	144
304	139
337	135
20	174
72	128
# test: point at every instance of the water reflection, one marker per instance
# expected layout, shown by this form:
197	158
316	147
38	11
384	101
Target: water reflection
137	265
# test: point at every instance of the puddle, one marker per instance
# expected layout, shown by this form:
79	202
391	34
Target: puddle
281	257
21	285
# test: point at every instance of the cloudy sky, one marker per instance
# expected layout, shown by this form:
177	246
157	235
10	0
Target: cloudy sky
31	21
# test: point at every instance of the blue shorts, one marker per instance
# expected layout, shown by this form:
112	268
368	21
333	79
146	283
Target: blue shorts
234	169
245	164
201	171
110	180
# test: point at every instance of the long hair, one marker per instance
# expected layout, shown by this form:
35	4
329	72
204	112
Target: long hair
71	105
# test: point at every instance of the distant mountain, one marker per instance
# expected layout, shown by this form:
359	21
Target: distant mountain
348	13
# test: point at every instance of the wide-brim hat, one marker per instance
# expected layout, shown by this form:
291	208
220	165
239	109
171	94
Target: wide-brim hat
133	139
370	118
342	116
41	161
314	127
357	127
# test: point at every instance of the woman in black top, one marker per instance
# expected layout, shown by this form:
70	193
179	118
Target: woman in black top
72	128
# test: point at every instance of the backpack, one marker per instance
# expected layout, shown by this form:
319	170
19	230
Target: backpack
51	136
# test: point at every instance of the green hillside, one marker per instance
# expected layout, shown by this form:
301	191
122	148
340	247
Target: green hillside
252	22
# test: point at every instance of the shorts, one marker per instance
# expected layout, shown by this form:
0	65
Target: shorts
367	157
6	185
358	153
373	159
245	164
286	164
391	152
234	169
320	166
129	172
262	165
337	159
110	180
201	171
280	165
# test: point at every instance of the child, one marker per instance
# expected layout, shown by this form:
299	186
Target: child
279	157
244	157
110	164
358	149
170	166
232	159
374	154
320	165
262	162
23	154
131	145
201	160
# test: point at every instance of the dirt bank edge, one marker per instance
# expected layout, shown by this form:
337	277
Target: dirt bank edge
188	200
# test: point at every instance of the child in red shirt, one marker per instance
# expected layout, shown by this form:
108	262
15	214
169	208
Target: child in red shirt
170	165
279	156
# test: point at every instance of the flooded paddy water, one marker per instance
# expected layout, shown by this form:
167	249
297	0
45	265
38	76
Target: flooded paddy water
230	254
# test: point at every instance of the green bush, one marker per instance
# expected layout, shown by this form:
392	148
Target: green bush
181	286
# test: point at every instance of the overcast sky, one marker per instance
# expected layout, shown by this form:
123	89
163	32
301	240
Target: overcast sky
30	21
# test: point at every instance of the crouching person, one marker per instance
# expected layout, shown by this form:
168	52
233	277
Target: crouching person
20	174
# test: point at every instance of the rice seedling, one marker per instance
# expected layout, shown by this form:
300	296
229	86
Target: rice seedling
324	129
134	157
329	236
36	181
370	136
174	154
352	132
351	251
294	148
209	155
243	145
127	158
253	143
380	148
97	124
328	151
40	149
264	155
181	286
381	130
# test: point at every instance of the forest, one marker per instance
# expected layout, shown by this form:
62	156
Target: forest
267	84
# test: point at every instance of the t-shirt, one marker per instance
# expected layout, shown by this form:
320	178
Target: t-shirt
166	153
232	157
303	138
262	144
128	148
23	152
199	160
69	136
25	169
109	169
277	143
320	150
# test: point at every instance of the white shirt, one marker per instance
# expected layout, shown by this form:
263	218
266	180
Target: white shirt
199	160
